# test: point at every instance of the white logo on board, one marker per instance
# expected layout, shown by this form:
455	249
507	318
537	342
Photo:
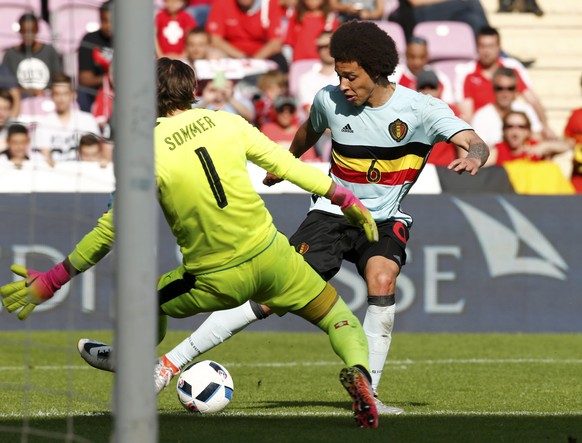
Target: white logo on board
501	244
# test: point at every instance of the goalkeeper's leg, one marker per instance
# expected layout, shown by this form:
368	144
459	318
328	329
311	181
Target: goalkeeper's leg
217	328
329	313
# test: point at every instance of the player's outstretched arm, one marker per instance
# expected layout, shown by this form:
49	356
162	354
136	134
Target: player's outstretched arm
35	287
354	211
304	138
478	152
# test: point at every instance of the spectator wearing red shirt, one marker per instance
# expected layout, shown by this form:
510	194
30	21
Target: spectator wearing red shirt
518	142
283	128
427	82
474	84
310	19
271	85
248	28
172	25
573	133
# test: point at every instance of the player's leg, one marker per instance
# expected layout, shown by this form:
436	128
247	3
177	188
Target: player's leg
216	329
289	284
329	313
225	293
380	264
102	355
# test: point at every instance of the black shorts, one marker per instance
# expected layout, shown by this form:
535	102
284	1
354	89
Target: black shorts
325	240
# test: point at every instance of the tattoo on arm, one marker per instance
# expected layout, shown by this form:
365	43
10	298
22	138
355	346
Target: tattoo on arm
479	150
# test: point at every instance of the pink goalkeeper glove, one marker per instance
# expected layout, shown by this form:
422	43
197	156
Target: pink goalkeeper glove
355	212
36	288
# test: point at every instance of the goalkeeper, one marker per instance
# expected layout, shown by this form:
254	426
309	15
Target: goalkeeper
232	252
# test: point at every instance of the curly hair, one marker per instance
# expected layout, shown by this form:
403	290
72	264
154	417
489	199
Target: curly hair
176	83
365	43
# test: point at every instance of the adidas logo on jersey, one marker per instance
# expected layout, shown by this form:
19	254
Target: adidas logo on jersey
347	128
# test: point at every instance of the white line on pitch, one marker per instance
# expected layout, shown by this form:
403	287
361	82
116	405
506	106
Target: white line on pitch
469	361
54	413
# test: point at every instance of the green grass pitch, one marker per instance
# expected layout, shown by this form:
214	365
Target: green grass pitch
453	387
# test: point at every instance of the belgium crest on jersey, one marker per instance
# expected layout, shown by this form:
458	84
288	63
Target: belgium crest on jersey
398	129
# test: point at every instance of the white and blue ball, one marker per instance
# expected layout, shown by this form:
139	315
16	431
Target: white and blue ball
205	387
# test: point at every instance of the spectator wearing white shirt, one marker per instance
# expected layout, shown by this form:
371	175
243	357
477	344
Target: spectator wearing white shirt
58	133
488	120
321	75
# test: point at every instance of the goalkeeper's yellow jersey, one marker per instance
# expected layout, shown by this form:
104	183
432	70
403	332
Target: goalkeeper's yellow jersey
206	193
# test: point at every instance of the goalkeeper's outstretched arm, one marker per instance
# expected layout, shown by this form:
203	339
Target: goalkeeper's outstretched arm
37	287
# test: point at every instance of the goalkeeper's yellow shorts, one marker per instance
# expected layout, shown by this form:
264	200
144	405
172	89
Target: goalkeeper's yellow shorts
278	277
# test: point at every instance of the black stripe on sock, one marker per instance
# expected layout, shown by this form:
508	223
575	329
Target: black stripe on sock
382	300
258	310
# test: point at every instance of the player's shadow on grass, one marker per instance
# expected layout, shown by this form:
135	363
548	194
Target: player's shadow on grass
336	406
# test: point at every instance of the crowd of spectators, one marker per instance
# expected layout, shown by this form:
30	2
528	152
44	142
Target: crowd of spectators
243	52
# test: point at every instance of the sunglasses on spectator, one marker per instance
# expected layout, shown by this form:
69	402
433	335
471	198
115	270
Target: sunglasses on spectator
323	46
504	88
510	126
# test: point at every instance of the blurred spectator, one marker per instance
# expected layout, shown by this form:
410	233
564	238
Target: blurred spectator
95	56
271	85
197	46
102	110
199	10
411	12
283	129
358	9
518	142
33	63
520	6
310	18
321	75
6	103
474	84
573	133
525	160
488	120
417	56
218	95
90	150
58	133
427	82
172	24
8	82
248	28
17	147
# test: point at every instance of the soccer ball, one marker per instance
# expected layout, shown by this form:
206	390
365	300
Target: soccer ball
205	387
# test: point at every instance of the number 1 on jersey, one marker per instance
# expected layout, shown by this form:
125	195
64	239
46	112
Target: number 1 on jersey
212	176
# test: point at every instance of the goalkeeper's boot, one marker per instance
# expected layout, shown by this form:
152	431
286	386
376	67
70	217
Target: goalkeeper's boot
97	354
164	371
355	381
385	409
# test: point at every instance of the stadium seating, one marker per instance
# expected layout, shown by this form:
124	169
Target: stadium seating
33	107
448	40
28	5
395	31
53	5
71	22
